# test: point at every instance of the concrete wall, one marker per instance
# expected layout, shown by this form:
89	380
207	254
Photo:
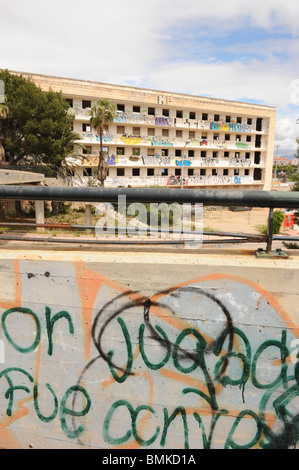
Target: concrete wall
20	177
141	349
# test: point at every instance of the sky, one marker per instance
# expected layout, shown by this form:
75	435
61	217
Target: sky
228	49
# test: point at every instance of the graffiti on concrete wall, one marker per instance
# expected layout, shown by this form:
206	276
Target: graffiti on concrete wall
206	363
155	160
217	179
132	140
162	142
232	126
183	162
112	160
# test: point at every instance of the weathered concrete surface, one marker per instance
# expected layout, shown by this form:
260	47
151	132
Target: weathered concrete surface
144	349
20	177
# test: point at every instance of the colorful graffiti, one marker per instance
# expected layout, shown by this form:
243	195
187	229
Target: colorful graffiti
232	127
112	160
162	121
131	140
183	162
133	117
106	137
207	362
241	145
162	143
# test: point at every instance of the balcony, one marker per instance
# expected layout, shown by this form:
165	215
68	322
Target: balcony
158	160
172	121
198	180
162	142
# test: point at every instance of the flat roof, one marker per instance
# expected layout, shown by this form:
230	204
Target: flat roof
169	94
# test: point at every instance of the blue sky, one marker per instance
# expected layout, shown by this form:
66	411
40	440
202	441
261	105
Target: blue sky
243	44
235	50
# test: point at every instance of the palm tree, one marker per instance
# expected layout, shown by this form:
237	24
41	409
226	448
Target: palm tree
70	141
100	116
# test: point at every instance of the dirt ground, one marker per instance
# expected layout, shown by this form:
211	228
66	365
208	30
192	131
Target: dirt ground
241	221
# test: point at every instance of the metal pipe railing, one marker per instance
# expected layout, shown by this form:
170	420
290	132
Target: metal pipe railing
109	229
270	199
146	195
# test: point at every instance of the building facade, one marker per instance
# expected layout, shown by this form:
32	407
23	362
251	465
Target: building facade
160	138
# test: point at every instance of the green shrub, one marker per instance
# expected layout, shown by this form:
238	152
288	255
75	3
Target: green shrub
291	245
79	210
162	214
262	229
29	210
278	218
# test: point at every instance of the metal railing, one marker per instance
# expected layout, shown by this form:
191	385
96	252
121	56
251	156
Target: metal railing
223	198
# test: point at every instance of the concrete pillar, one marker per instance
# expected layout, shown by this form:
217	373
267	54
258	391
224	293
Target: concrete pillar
40	214
88	216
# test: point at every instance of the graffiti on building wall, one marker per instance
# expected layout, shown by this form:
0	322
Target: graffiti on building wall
231	161
231	127
162	142
162	121
155	160
183	162
88	136
217	179
106	137
237	180
164	179
120	117
171	120
203	362
159	159
241	145
112	160
131	140
244	162
133	117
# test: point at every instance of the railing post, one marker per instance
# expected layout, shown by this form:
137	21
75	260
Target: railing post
88	216
270	231
40	214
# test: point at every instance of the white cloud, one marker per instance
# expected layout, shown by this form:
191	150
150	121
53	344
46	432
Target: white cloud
287	130
263	81
134	42
104	40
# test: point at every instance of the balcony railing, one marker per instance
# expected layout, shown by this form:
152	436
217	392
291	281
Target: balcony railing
174	162
199	180
172	121
160	141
